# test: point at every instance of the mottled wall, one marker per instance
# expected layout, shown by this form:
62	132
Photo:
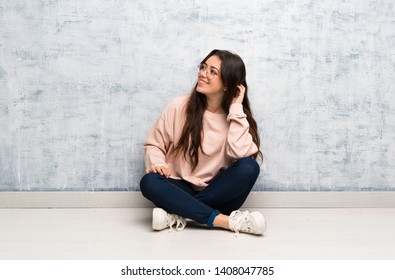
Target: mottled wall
81	82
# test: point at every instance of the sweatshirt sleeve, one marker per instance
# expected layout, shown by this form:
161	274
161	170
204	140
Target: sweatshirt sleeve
240	143
157	144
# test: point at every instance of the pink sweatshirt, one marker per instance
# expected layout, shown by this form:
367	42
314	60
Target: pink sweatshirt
225	138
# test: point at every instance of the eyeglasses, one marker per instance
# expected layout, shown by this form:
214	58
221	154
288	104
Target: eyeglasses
210	72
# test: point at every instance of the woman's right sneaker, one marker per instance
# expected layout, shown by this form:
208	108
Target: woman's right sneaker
244	221
162	220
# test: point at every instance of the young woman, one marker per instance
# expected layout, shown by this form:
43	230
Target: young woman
200	155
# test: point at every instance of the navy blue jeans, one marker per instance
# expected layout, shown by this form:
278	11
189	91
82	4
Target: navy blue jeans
225	193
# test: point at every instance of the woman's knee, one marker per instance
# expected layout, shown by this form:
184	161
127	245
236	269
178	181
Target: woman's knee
248	167
147	183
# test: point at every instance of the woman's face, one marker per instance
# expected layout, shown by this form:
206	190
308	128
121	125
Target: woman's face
209	80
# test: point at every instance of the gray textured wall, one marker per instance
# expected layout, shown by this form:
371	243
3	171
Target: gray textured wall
81	82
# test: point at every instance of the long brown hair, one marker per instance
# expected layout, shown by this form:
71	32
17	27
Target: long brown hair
232	73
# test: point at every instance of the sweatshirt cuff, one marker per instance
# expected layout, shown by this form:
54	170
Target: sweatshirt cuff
160	164
236	111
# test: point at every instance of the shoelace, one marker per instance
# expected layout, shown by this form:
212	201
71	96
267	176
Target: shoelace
239	221
174	219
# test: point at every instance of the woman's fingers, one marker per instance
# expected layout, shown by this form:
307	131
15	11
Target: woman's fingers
240	94
162	170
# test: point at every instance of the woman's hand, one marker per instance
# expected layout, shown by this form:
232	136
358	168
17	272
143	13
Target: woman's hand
162	170
240	94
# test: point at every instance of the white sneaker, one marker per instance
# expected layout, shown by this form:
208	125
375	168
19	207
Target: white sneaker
244	221
161	220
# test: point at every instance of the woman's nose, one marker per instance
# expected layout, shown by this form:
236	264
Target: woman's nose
203	73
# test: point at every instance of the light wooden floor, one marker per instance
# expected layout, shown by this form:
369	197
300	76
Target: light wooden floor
125	233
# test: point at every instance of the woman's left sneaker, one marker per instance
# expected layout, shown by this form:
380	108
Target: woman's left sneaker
244	221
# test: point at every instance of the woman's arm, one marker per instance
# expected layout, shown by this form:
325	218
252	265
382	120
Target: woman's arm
240	142
156	146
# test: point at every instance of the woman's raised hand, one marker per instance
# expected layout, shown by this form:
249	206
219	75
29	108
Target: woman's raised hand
240	94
